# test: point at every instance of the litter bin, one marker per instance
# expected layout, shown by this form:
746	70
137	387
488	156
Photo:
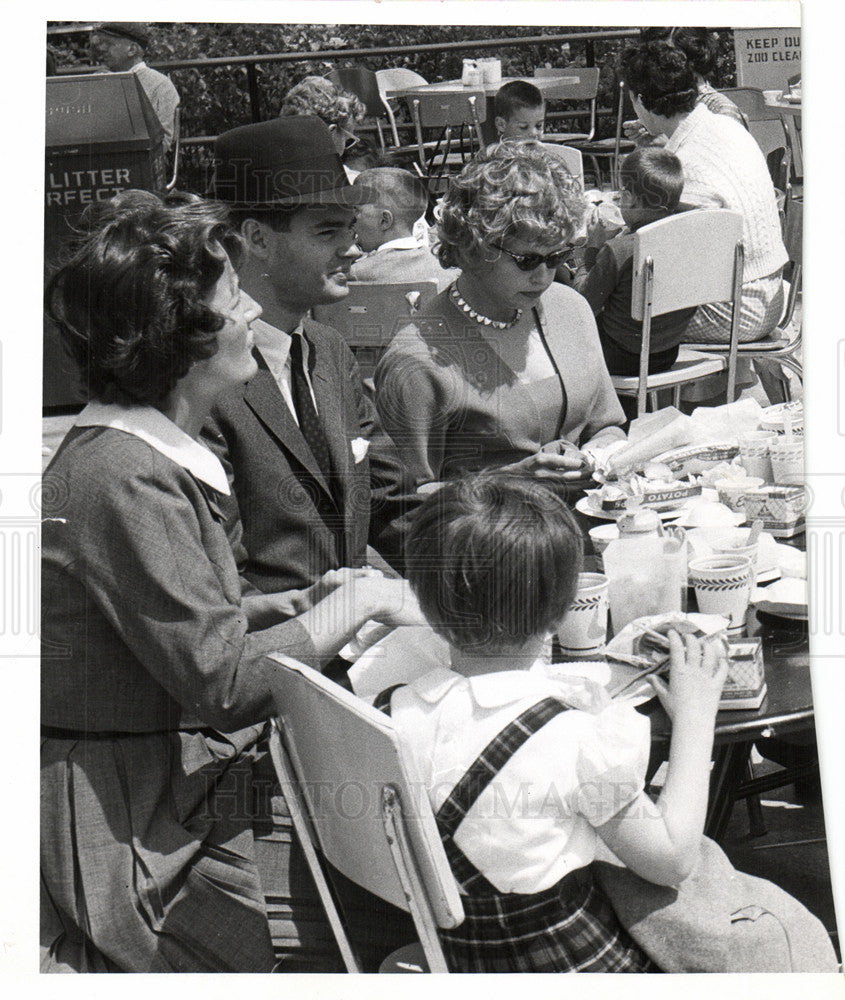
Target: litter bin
102	137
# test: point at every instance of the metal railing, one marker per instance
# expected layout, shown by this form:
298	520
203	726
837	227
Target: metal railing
197	149
252	62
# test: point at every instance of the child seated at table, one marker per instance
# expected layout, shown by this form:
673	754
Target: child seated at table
519	111
392	231
527	770
652	180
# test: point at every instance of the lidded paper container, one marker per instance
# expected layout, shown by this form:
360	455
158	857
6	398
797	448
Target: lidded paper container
472	75
491	69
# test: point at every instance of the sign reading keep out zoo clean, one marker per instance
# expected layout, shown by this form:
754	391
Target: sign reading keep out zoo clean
767	58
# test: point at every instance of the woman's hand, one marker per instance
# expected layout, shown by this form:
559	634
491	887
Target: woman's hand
634	129
390	601
329	582
558	460
698	668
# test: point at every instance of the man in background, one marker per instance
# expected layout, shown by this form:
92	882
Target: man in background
120	47
386	230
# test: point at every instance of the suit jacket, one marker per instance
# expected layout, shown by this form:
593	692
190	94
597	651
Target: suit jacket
394	265
295	524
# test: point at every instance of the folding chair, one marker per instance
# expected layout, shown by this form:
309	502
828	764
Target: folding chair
572	158
361	82
396	78
372	312
584	87
609	149
351	798
761	119
783	348
682	261
458	118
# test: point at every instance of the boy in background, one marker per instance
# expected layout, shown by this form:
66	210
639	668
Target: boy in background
519	112
386	228
652	180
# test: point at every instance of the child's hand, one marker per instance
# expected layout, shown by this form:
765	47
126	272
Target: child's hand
600	229
697	674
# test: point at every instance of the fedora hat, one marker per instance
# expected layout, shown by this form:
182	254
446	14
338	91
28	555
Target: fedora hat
283	163
133	30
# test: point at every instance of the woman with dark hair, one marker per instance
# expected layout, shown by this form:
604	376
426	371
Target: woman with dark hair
723	168
701	47
504	368
154	704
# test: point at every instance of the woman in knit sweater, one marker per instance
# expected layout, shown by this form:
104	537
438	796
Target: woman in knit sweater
724	168
504	368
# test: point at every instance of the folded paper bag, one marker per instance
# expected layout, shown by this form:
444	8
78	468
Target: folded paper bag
717	920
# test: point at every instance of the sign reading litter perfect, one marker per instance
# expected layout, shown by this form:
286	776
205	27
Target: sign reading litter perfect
102	137
767	58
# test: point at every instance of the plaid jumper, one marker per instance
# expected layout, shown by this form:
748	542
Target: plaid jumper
567	928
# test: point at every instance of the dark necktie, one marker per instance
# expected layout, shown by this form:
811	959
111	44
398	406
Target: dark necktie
309	422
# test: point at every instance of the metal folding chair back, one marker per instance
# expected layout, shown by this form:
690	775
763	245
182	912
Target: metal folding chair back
458	118
396	78
572	158
783	347
750	102
579	83
611	149
352	799
372	312
361	82
667	276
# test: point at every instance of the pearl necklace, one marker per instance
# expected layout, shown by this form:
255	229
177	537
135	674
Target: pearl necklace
465	307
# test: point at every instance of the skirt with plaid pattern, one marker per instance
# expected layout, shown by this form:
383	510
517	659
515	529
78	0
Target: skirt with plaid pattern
568	928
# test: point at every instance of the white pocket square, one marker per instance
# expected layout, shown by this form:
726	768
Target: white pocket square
360	447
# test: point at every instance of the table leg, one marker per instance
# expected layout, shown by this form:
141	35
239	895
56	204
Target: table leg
725	778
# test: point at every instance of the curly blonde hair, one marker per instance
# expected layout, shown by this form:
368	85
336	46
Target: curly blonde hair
317	96
514	189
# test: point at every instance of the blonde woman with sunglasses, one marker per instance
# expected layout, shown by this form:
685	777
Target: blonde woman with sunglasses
504	368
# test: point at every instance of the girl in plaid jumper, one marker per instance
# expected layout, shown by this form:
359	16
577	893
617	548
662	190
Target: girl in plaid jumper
530	772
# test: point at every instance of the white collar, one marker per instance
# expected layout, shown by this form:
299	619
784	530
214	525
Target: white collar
488	690
152	426
403	243
508	686
274	343
137	66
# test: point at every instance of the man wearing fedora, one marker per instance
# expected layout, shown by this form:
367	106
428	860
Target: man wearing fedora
120	46
315	477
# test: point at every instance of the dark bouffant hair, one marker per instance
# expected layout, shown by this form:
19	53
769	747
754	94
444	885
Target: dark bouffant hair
654	176
130	298
699	45
661	76
493	559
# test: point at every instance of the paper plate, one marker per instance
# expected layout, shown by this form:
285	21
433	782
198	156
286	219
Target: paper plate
583	505
785	599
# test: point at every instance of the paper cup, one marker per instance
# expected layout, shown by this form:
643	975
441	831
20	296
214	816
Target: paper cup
722	587
754	454
787	458
584	629
732	491
732	542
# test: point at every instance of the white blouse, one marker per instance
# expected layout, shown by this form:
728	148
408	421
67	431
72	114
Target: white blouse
535	822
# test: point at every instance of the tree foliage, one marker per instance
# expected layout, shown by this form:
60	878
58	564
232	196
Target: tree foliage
216	98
